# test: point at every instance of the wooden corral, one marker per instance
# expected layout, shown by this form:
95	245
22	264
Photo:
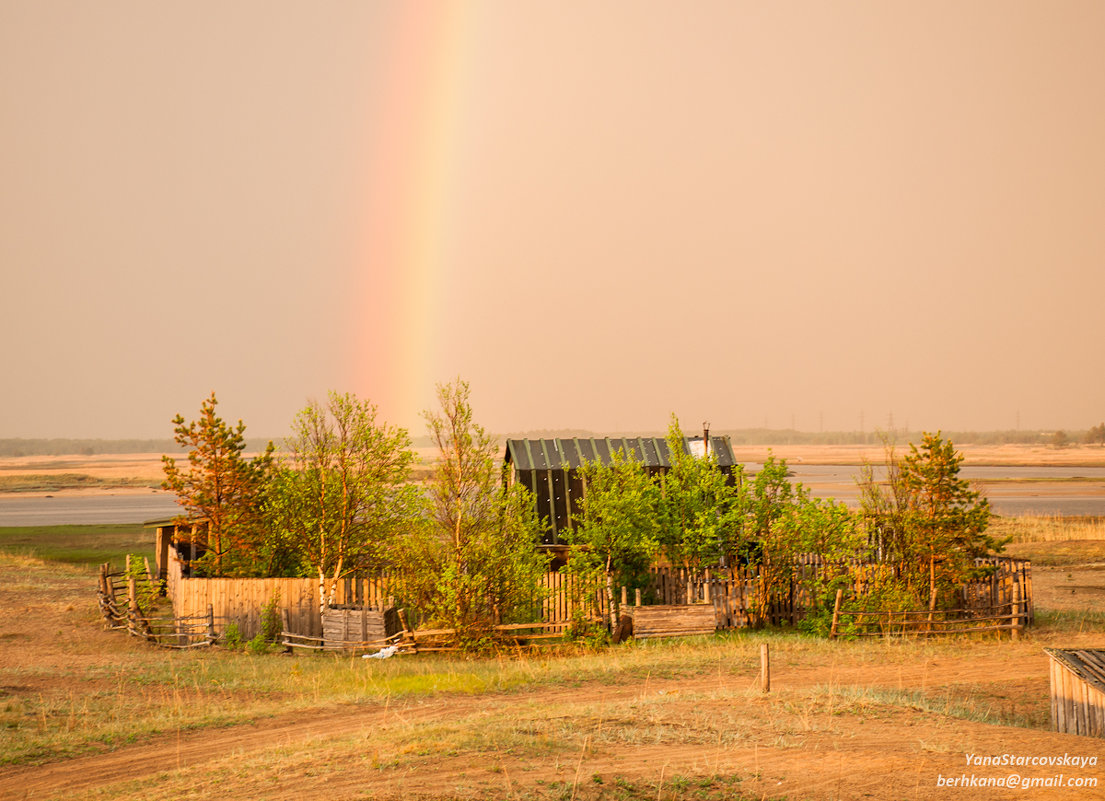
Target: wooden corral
674	620
1078	691
732	594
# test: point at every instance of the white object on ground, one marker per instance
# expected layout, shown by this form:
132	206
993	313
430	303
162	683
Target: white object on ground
383	653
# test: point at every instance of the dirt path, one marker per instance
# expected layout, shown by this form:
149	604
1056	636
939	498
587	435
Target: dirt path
795	746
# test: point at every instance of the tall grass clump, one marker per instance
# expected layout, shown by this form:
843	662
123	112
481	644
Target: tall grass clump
1049	528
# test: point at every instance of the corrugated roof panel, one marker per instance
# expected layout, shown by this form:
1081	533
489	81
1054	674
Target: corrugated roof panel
560	454
571	453
1088	665
723	450
557	459
516	454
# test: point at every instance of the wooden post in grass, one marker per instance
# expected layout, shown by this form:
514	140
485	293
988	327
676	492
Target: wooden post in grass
638	598
836	613
765	669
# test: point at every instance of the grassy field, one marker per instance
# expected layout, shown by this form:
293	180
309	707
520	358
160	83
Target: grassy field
87	713
87	546
56	482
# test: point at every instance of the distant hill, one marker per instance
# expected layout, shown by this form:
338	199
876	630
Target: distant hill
90	447
15	447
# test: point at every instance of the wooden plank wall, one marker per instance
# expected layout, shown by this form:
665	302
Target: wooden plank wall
1076	707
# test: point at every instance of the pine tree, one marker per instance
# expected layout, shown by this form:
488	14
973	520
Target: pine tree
220	488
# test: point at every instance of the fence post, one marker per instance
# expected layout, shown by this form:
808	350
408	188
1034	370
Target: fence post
765	669
637	599
836	613
1015	632
211	623
624	602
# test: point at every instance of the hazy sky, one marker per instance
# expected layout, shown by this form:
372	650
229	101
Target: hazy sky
596	212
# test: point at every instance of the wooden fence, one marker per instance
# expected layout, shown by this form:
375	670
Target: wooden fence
734	594
118	597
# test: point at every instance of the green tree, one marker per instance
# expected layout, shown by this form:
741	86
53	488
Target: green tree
783	521
1060	439
1096	434
222	488
946	517
698	506
617	533
342	498
927	520
479	563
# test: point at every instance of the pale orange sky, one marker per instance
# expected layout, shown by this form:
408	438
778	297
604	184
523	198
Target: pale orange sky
597	213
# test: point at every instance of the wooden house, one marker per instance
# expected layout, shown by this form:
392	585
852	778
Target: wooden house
1078	691
551	469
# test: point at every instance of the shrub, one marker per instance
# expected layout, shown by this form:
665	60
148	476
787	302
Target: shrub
232	637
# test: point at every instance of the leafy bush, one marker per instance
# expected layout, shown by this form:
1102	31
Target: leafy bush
258	645
272	624
586	632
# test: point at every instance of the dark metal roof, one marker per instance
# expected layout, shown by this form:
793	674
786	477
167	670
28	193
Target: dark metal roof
1088	665
568	454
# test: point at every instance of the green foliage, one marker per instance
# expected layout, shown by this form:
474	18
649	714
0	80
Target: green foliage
587	632
147	593
782	521
222	488
476	564
342	499
618	533
271	623
1096	434
259	645
232	636
1060	439
699	507
928	521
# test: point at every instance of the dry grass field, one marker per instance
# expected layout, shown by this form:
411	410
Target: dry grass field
87	713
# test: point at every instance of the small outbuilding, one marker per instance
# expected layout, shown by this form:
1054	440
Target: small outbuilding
551	468
1078	691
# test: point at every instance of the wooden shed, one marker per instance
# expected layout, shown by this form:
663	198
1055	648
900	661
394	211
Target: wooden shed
1078	691
551	468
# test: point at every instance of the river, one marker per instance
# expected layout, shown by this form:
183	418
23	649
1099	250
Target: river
1045	491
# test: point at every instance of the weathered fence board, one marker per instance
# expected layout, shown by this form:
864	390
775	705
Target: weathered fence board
673	620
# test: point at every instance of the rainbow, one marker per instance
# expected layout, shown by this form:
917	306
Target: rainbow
403	261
